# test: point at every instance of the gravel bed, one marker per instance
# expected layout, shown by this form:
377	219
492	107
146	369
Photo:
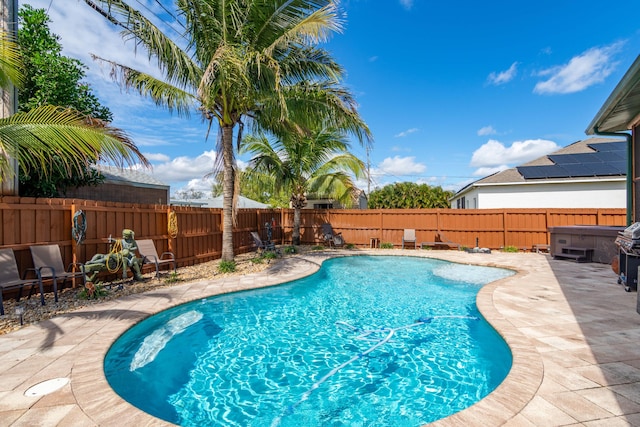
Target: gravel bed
69	299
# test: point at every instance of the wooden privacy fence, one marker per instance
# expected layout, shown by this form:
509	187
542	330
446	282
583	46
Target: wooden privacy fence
30	221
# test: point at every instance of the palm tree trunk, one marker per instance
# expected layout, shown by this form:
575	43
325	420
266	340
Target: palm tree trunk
227	192
295	235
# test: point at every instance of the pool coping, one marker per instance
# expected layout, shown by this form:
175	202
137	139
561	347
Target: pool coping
74	345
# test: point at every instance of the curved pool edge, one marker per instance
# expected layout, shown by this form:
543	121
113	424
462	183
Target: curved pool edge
97	400
527	370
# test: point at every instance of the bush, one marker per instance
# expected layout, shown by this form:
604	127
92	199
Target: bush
290	250
317	248
510	249
172	278
91	291
386	245
269	255
227	266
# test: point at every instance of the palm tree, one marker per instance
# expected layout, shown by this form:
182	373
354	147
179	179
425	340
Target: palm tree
37	137
244	62
318	162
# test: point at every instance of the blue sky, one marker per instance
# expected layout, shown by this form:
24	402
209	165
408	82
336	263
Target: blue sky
452	91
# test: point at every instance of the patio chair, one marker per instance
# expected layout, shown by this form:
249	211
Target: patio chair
409	236
442	241
261	245
330	237
149	254
10	277
48	264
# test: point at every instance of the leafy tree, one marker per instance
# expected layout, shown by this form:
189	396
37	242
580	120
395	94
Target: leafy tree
246	62
255	186
318	162
50	77
189	194
53	79
409	195
49	136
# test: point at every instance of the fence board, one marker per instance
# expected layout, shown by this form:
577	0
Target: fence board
28	221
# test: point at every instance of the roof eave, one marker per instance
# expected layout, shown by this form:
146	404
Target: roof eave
607	119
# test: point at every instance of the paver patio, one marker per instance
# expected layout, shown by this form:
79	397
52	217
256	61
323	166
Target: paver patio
574	334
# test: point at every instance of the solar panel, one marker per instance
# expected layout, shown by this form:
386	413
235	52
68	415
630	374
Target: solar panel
605	169
577	169
531	172
621	167
586	158
611	156
562	159
609	146
556	171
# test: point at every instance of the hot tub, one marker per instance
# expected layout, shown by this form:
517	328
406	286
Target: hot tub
597	237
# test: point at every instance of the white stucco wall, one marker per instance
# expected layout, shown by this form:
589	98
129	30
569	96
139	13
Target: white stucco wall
595	194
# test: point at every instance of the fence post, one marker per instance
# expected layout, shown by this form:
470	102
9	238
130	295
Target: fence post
504	229
74	246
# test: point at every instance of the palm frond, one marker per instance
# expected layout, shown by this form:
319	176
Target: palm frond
76	140
162	93
11	66
175	64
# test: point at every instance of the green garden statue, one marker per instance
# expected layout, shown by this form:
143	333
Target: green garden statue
122	255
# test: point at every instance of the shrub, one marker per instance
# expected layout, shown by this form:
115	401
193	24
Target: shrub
317	248
386	245
290	250
510	249
227	266
172	278
91	291
269	255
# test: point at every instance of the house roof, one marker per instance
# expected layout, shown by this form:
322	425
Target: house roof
116	175
582	160
216	202
622	106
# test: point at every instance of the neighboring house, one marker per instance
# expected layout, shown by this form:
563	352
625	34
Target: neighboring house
618	115
216	202
125	186
586	174
315	202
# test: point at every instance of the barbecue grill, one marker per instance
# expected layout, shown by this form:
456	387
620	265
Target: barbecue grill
628	242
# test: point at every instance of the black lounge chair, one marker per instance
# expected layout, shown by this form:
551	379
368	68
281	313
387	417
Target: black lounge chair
10	277
449	244
149	254
330	237
48	264
262	246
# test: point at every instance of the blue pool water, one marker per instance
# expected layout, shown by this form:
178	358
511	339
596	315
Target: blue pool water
366	341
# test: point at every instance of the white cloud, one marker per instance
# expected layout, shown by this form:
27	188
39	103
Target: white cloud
587	69
407	4
185	168
406	133
157	157
503	77
401	166
494	154
486	130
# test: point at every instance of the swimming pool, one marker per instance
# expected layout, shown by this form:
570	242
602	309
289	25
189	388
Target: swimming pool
367	340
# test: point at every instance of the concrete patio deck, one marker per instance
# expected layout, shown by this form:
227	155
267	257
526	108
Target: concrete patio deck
574	334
